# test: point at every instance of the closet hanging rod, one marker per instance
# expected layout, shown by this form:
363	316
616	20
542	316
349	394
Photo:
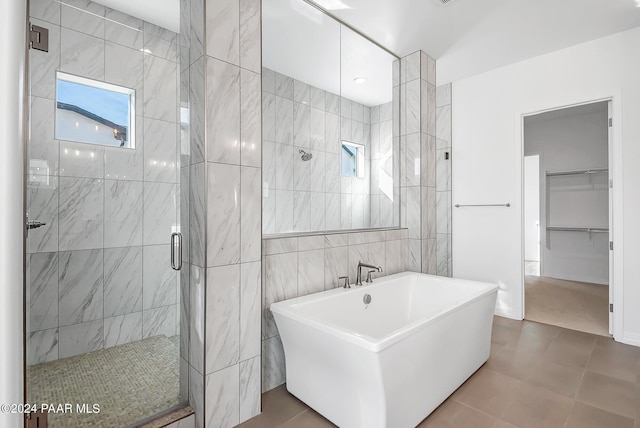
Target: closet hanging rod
579	229
483	205
577	171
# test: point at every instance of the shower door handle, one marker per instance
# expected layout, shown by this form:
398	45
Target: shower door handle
176	251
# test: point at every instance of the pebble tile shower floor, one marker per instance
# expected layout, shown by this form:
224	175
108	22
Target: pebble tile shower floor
130	382
537	376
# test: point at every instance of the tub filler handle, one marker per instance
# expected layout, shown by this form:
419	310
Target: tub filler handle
346	281
359	271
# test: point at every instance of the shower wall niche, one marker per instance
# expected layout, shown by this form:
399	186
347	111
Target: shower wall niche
98	271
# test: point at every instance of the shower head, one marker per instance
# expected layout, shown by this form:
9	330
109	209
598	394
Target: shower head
305	156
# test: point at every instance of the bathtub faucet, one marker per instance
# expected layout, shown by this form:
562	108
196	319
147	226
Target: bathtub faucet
359	276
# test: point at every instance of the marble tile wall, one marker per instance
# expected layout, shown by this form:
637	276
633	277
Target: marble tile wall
418	148
99	270
297	266
312	196
443	179
222	158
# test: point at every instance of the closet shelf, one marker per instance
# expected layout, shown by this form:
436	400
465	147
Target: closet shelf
579	229
578	172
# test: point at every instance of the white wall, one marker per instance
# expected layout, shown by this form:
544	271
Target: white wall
531	207
487	151
571	139
12	62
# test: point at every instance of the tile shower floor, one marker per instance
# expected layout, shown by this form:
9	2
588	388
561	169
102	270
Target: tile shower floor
130	382
537	376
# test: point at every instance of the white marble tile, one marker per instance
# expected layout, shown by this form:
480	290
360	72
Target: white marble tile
332	133
122	329
442	212
250	203
345	108
80	213
431	112
78	339
412	160
250	130
332	103
123	29
43	65
336	264
268	81
345	210
279	284
443	174
42	346
393	256
414	256
197	112
332	171
159	280
443	95
442	254
346	129
196	395
284	211
197	31
428	200
375	211
317	130
43	290
197	214
284	86
46	10
223	398
443	124
357	132
268	211
42	204
269	164
250	40
301	211
310	272
317	210
223	214
160	88
428	161
84	16
431	70
122	281
160	151
81	291
223	115
429	264
123	213
250	388
81	160
184	314
413	212
196	317
268	116
412	66
333	240
284	169
188	422
301	92
301	170
124	66
332	211
317	98
81	54
280	245
357	253
222	317
273	364
222	28
284	120
413	107
250	309
159	321
357	212
301	125
161	47
159	216
43	149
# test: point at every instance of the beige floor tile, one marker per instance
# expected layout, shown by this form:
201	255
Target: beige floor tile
569	348
517	364
535	337
452	414
536	407
609	393
612	362
504	424
278	406
556	377
308	419
586	416
488	391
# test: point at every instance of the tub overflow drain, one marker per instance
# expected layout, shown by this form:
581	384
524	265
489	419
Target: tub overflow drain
366	299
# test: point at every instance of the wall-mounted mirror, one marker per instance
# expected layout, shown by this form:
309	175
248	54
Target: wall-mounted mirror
329	158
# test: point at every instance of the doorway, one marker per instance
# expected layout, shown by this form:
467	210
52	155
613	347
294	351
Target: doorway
567	217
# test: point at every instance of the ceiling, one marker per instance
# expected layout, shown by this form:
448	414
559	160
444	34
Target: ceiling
469	37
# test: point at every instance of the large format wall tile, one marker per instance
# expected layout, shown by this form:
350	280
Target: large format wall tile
250	308
250	130
223	398
250	230
223	118
160	88
122	329
122	213
222	28
159	321
80	213
223	317
81	338
81	292
42	346
250	382
160	151
122	281
159	219
81	160
81	54
43	207
43	302
159	279
223	214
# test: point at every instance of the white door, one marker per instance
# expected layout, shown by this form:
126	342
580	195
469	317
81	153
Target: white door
532	208
611	255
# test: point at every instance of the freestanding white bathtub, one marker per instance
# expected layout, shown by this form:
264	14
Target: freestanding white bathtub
389	363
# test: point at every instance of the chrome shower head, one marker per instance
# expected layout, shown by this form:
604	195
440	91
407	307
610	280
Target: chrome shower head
305	156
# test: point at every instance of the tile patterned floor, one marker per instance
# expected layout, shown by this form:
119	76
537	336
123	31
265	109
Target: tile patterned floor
537	376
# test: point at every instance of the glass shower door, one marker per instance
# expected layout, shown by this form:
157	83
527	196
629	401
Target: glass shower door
103	195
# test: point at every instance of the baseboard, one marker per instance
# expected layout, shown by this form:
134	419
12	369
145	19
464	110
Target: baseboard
630	339
507	313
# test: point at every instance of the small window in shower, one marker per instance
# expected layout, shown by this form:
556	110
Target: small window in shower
90	111
352	159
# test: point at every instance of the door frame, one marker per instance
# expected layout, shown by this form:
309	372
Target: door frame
615	206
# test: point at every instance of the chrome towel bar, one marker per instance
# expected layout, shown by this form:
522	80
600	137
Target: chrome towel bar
483	205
